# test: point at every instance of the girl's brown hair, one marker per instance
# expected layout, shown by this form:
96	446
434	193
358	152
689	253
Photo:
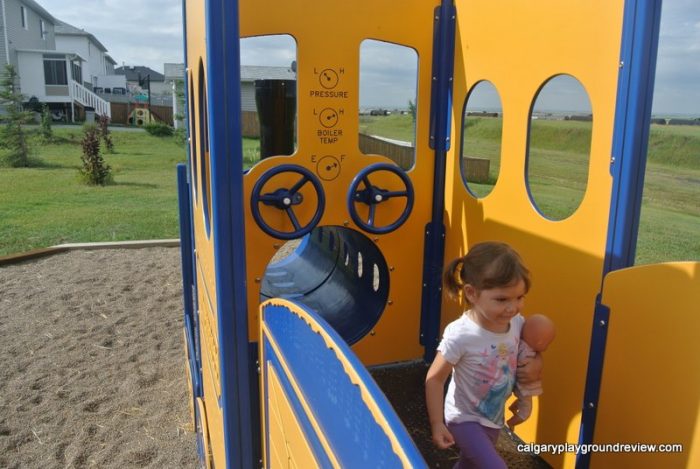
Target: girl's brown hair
486	265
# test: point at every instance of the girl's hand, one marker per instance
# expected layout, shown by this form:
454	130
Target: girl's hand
442	437
530	371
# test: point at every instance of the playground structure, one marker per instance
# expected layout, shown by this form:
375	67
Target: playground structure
140	116
284	382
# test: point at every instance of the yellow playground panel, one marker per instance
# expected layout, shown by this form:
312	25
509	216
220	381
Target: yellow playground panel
518	52
363	285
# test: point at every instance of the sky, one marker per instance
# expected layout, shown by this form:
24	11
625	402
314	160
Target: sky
149	32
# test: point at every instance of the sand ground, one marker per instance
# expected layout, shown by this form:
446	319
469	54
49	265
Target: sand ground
92	369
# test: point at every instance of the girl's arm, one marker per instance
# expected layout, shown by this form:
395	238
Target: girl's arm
434	398
531	370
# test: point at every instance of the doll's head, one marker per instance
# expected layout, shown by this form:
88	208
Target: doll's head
538	332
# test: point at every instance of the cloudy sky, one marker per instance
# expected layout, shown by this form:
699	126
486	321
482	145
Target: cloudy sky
139	32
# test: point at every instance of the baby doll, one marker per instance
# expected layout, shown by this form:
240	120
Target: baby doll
536	335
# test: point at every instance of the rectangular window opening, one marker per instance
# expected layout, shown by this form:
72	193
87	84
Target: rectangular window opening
55	72
23	17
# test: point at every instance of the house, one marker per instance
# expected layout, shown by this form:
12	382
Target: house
250	73
250	125
56	62
137	77
175	75
97	61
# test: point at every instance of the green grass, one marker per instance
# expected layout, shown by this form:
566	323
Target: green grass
251	152
49	205
44	206
558	166
395	126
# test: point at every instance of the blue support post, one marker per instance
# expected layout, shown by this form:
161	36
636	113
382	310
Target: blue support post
224	105
190	264
186	259
640	37
440	121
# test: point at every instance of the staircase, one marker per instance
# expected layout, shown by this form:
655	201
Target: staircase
87	98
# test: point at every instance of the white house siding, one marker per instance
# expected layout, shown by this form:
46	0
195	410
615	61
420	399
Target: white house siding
79	45
111	81
161	87
3	36
250	73
32	82
30	38
248	96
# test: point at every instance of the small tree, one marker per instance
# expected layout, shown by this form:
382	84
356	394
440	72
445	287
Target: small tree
46	131
14	136
412	110
105	133
94	171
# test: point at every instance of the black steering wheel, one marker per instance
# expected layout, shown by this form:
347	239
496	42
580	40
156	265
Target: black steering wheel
285	199
372	196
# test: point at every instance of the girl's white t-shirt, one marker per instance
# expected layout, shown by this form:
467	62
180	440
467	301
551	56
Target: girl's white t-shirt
483	374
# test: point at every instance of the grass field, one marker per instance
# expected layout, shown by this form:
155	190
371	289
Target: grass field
48	205
670	220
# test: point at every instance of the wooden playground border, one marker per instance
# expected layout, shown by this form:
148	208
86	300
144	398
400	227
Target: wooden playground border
49	251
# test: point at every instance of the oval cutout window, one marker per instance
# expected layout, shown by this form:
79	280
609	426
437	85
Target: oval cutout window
203	149
482	127
193	138
559	147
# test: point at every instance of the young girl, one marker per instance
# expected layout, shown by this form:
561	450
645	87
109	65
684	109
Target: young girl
480	350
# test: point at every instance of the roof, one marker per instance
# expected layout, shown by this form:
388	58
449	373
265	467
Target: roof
39	9
259	72
65	29
53	52
132	73
109	59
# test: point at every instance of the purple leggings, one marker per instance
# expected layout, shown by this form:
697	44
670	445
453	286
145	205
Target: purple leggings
477	445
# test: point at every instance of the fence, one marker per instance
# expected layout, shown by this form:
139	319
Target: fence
402	154
250	125
121	111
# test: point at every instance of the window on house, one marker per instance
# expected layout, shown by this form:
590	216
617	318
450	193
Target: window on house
23	17
77	72
42	29
55	71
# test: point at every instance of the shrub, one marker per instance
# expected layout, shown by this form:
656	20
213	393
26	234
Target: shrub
180	135
94	171
46	131
159	129
105	134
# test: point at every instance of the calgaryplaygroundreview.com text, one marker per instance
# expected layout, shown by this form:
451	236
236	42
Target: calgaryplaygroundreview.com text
559	448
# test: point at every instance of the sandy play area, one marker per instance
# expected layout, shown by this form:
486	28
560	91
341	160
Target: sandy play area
93	371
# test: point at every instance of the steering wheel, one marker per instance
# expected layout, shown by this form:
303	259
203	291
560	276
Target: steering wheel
285	199
372	196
